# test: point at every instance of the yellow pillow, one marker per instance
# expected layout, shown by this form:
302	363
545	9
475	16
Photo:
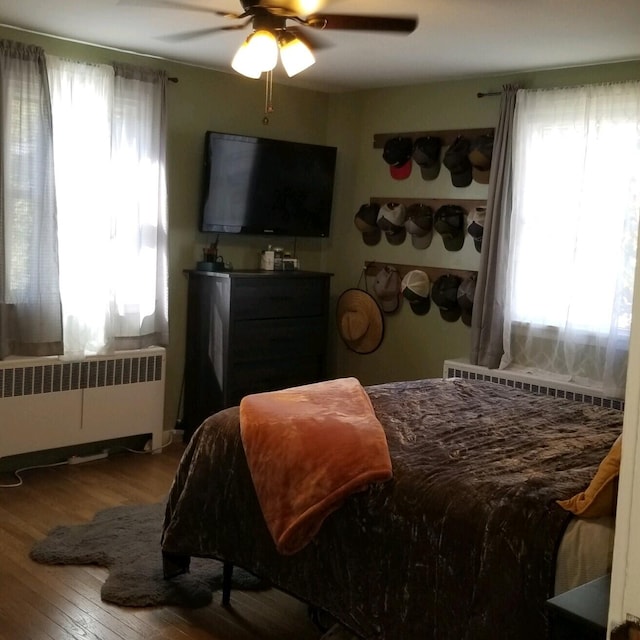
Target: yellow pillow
599	498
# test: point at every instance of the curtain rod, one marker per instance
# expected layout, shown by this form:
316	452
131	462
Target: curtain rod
488	93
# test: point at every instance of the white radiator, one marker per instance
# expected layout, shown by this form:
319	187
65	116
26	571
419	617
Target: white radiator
529	382
47	403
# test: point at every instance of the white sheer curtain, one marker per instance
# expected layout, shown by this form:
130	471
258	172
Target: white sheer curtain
109	141
574	229
30	311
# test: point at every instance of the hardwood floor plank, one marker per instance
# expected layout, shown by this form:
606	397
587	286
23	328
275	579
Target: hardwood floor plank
40	606
43	602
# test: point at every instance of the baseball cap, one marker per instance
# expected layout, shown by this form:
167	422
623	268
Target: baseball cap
397	154
387	289
475	226
426	154
466	293
449	223
445	294
415	287
419	224
366	220
480	152
391	219
457	161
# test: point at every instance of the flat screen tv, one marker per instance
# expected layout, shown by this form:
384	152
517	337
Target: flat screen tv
262	186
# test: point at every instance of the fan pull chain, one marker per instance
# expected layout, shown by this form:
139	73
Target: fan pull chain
268	98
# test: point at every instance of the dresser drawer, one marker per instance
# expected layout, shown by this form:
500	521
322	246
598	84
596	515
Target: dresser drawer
251	331
271	339
279	297
268	375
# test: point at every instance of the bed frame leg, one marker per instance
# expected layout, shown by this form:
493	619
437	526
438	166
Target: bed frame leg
227	574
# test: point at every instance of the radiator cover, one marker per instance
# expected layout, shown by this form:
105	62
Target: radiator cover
529	382
48	403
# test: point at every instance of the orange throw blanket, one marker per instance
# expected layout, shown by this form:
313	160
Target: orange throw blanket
308	448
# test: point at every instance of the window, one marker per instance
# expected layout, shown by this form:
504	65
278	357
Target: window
109	171
573	231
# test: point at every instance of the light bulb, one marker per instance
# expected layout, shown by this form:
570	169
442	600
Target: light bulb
307	7
263	49
244	63
296	55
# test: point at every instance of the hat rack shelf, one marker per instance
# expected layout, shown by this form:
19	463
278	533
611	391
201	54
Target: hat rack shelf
434	203
447	136
371	268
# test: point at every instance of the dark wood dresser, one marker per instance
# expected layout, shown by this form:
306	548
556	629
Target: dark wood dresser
251	331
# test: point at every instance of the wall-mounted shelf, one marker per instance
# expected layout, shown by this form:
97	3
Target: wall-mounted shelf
371	268
434	203
447	136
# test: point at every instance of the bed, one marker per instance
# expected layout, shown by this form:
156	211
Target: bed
461	542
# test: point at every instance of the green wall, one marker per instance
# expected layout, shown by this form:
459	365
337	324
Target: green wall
201	100
414	346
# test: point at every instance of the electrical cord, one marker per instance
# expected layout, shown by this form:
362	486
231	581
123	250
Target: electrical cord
145	451
17	473
20	481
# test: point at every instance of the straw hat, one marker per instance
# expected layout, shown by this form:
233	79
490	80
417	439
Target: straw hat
360	321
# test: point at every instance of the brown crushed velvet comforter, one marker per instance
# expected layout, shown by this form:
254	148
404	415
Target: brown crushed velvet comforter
460	544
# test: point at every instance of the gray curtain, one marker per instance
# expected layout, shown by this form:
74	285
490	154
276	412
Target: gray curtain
30	307
488	308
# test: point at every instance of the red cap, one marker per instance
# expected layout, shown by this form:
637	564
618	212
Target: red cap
402	171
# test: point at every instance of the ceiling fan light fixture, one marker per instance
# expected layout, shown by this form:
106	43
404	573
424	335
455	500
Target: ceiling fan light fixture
307	7
258	53
295	54
263	48
244	63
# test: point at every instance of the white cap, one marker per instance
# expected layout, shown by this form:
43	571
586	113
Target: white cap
416	289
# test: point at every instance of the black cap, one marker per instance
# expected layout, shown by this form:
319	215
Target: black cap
397	150
426	154
397	154
416	287
366	221
456	159
391	218
419	223
449	223
444	294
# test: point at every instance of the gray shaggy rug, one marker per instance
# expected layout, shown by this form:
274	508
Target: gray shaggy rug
126	540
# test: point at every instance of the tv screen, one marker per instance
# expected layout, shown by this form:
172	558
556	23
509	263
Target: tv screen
263	186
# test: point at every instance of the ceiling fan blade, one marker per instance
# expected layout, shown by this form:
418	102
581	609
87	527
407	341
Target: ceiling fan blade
174	4
312	40
200	33
361	23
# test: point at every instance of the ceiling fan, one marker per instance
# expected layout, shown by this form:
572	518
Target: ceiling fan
272	34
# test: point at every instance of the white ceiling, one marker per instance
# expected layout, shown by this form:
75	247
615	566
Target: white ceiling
454	38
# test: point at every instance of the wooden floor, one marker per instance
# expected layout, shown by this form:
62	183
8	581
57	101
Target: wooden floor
40	602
